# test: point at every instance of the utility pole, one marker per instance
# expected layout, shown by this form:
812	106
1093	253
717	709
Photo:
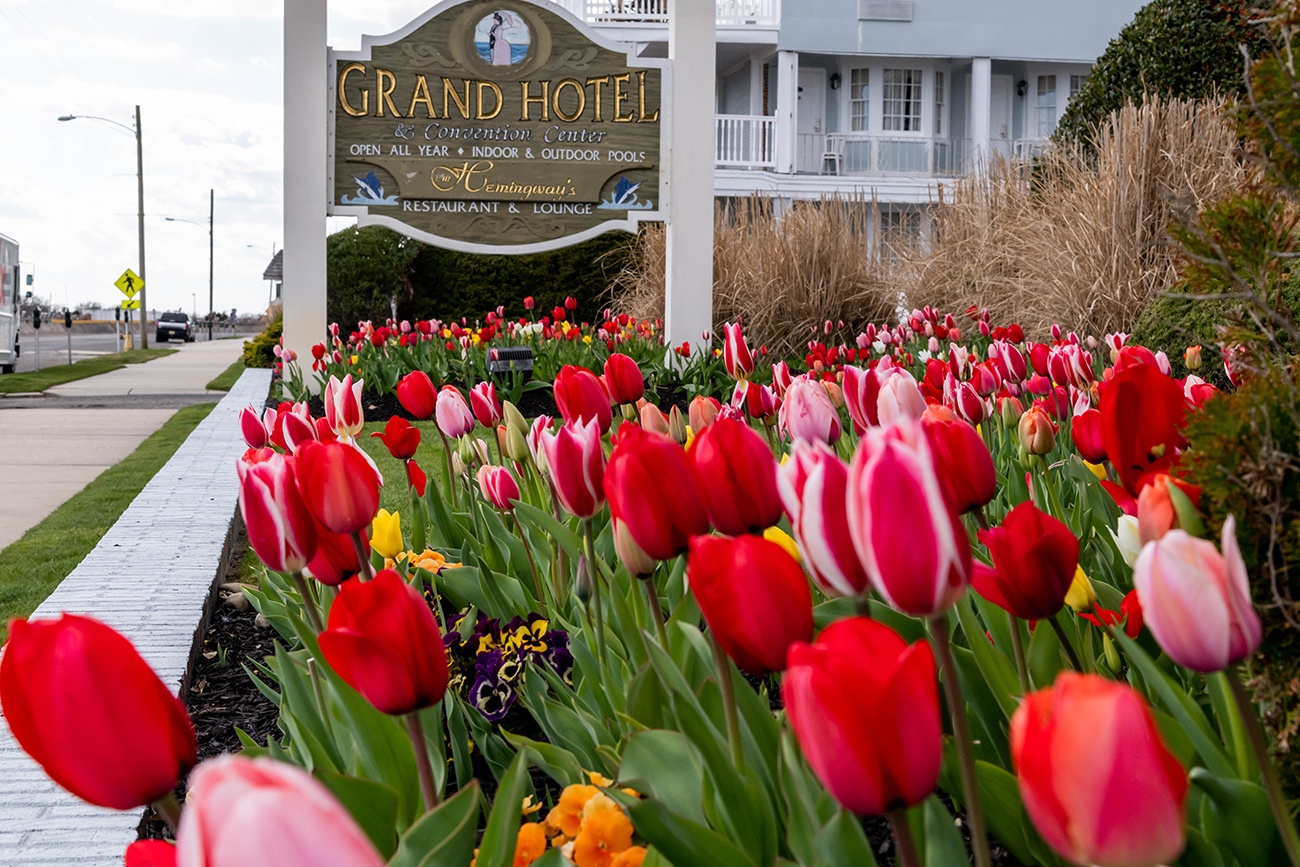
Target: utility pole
212	206
139	163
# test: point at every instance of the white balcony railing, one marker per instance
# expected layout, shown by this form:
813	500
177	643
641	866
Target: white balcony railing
730	13
743	141
865	154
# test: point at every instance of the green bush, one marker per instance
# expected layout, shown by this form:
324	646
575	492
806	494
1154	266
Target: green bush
1172	48
260	351
366	268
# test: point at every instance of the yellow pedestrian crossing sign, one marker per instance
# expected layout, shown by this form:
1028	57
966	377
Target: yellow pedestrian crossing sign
131	304
130	284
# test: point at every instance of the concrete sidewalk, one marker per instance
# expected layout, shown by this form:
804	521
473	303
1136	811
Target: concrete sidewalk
54	450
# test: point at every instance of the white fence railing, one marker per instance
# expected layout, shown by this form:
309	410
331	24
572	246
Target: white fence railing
730	13
865	154
744	141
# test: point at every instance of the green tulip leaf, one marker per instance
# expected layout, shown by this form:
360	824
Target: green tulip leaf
498	846
1236	814
664	765
943	843
558	763
534	517
1043	656
373	805
555	858
443	837
683	841
842	843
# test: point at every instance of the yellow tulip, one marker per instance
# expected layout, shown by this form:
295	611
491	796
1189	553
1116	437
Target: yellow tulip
782	538
386	534
1081	596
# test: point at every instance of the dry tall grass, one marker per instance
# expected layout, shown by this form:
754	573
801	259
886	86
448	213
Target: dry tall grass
783	277
1085	243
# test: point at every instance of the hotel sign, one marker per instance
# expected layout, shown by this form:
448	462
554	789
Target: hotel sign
499	126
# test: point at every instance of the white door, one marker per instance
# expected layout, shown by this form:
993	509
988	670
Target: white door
1000	139
811	124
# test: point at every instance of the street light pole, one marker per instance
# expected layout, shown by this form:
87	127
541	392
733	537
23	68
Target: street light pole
212	209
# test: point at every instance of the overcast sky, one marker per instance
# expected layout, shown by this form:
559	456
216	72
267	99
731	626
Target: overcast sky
207	75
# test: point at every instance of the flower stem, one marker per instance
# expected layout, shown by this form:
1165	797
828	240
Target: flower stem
656	613
729	704
532	563
589	546
1285	827
961	733
415	729
1066	645
1018	647
363	558
170	810
446	452
308	604
902	829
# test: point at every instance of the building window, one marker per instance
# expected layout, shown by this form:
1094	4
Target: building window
902	100
859	92
938	104
1076	84
1046	105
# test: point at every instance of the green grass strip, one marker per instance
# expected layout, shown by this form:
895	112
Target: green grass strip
20	383
33	566
227	378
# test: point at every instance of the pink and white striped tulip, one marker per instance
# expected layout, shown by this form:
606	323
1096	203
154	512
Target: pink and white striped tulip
575	461
808	413
736	356
908	537
1196	601
296	429
280	528
452	412
813	485
255	432
861	392
961	398
483	401
343	412
498	486
541	425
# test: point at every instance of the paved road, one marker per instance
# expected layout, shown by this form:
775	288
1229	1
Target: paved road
54	346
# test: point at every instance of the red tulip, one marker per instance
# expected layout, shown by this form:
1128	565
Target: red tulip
575	463
339	486
417	395
1196	601
1010	361
343	410
1095	775
864	706
754	597
652	491
81	701
961	398
498	487
579	396
1142	416
400	437
241	812
736	356
736	475
814	484
1197	392
485	405
808	413
383	641
623	379
453	414
335	560
150	853
908	537
280	529
298	428
961	460
1034	559
1085	430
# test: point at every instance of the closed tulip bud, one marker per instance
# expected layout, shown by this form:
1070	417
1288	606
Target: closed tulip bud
280	528
781	378
252	428
813	485
961	460
582	587
575	462
1095	775
653	419
638	563
343	410
579	396
540	426
386	534
485	405
808	413
1085	431
735	473
1034	558
382	640
82	702
677	425
652	490
899	398
736	357
455	419
875	746
835	393
1196	601
417	394
1011	411
1036	431
400	437
909	538
623	379
241	811
498	487
1192	358
515	444
754	598
338	485
702	411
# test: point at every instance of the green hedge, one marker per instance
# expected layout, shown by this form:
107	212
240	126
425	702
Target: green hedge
260	351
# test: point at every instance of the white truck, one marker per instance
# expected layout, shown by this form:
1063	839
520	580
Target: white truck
10	304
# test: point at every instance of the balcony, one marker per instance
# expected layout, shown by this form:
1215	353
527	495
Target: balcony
654	13
857	153
745	142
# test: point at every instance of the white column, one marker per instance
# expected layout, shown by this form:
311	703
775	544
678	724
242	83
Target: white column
755	86
787	110
306	172
689	166
981	84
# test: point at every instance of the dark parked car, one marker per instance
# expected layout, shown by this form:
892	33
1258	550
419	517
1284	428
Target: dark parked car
174	325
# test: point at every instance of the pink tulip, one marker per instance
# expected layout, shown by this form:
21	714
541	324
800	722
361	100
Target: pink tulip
454	417
253	430
899	398
961	398
653	419
907	535
498	486
343	412
280	529
736	356
813	485
781	378
575	460
808	413
483	401
242	811
296	429
541	424
861	392
702	411
1197	601
1010	360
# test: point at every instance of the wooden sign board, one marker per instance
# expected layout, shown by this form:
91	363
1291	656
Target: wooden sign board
496	126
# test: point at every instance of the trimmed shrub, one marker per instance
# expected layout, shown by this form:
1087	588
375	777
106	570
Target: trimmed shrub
260	351
366	268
